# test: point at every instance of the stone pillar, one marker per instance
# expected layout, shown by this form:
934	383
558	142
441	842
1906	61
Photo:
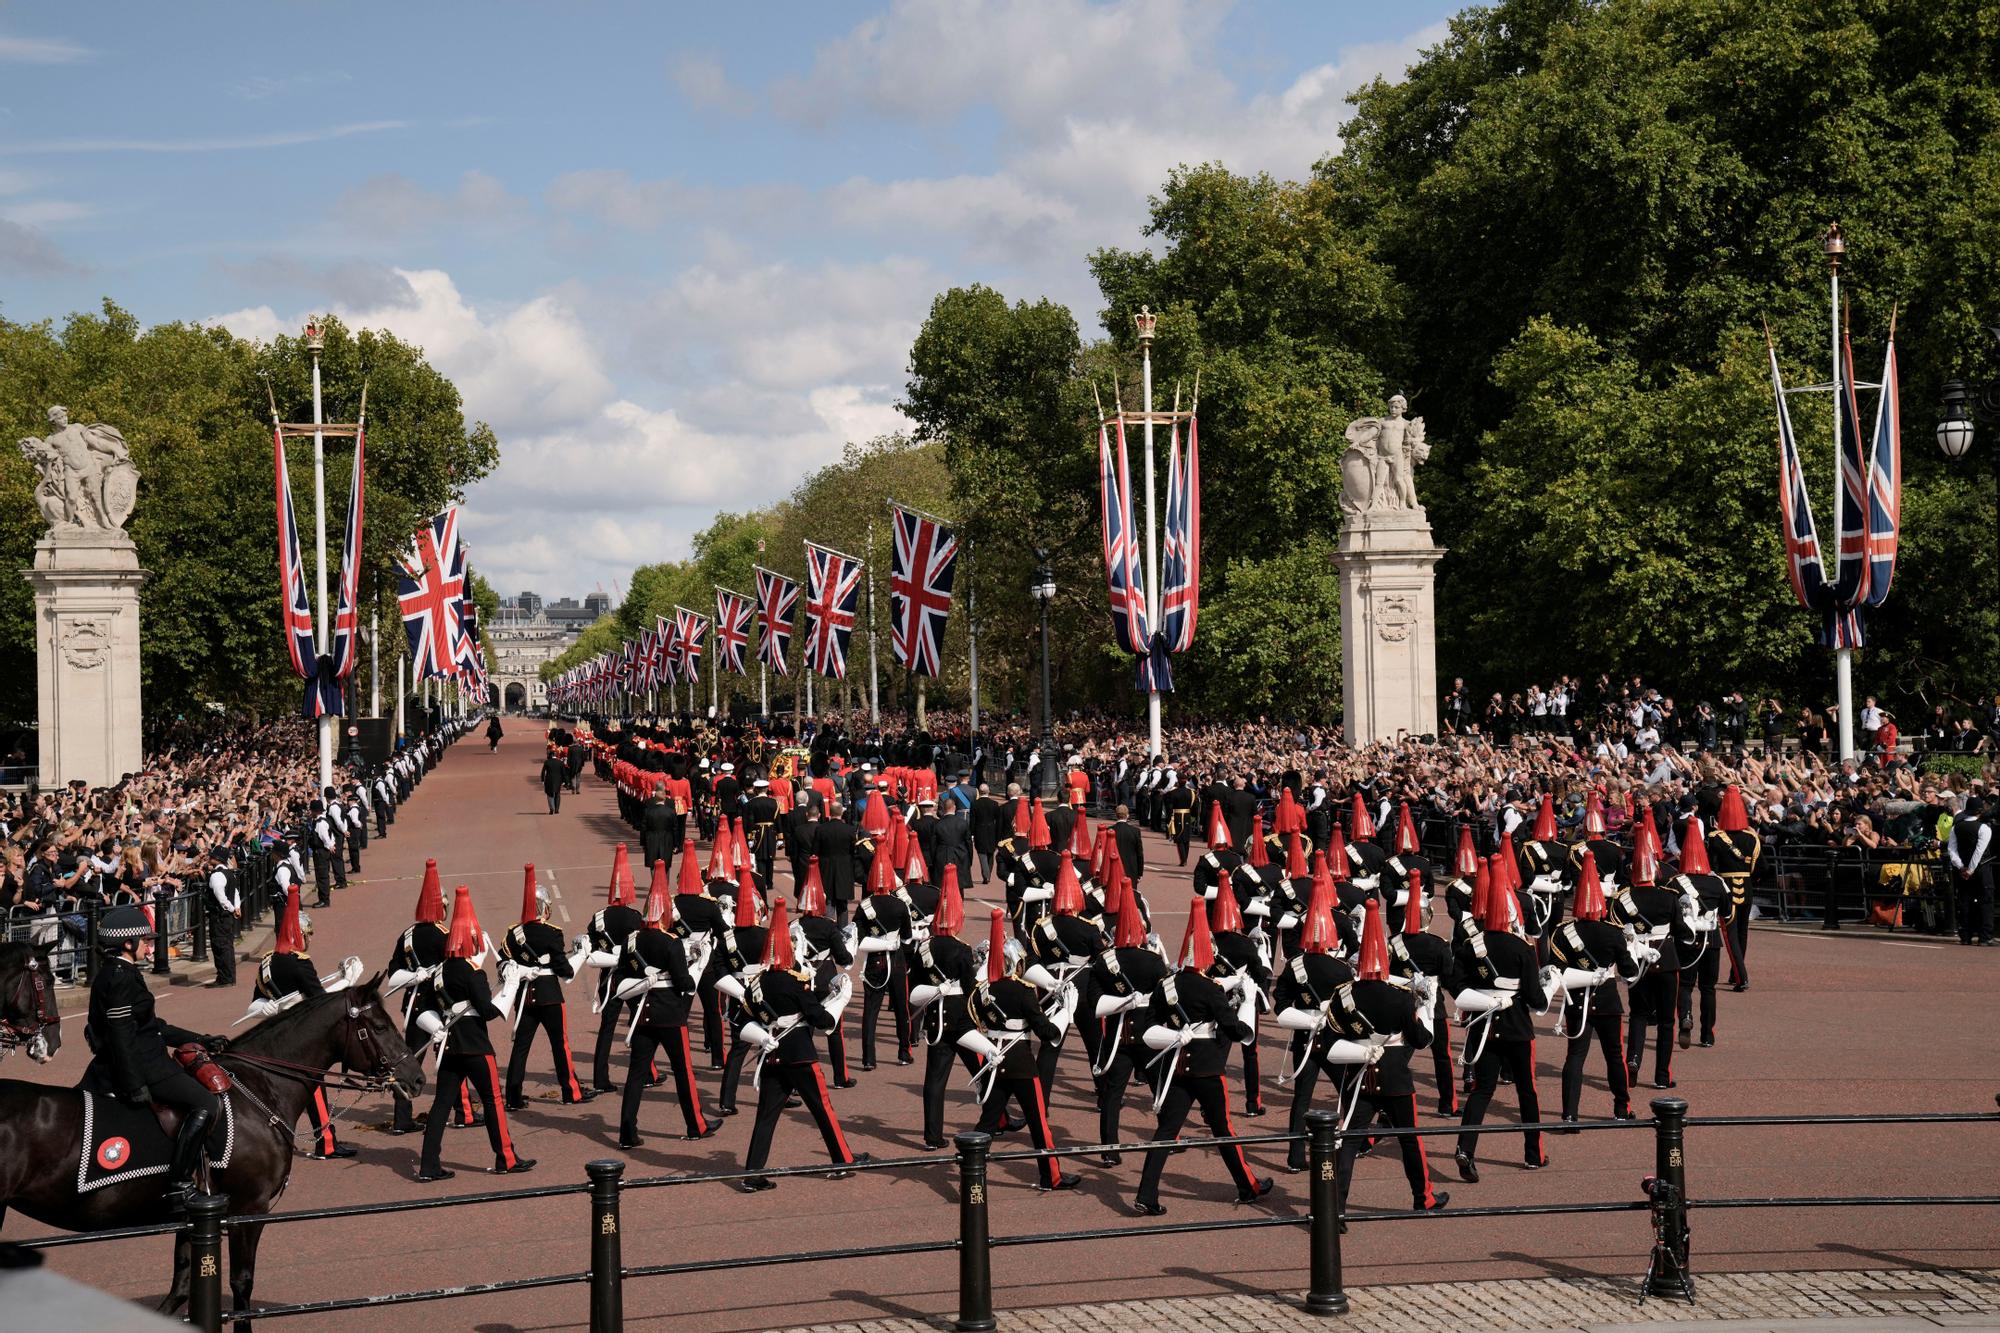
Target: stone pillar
87	654
1388	624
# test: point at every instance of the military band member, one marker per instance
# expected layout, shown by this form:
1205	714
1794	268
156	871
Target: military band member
1301	991
1653	914
1589	956
885	925
418	955
827	951
462	1004
1392	1017
998	1017
943	970
1500	983
285	978
1417	953
610	927
698	915
1733	849
532	950
1060	948
1704	900
653	976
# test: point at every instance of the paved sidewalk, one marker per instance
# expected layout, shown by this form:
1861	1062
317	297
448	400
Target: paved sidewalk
1887	1301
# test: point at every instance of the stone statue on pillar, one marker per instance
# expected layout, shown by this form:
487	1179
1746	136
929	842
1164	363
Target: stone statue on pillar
1386	559
86	578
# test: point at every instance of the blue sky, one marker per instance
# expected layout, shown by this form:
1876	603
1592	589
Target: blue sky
674	254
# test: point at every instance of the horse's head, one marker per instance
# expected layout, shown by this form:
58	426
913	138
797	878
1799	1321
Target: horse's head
372	1042
29	1014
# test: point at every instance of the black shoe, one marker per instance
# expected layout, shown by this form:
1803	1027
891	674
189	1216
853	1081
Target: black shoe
1740	987
586	1095
341	1152
629	1140
522	1165
397	1131
516	1103
1144	1209
708	1133
1013	1124
847	1083
1065	1183
1707	1042
473	1123
1663	1083
1536	1163
1257	1191
1255	1112
1109	1159
906	1059
1632	1073
867	1066
932	1145
1623	1113
1438	1201
755	1184
1568	1121
601	1087
1468	1171
1687	1036
794	1102
726	1110
843	1172
430	1174
1447	1106
1294	1168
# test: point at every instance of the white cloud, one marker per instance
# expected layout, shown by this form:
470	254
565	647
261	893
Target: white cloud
24	250
229	143
391	205
614	197
700	78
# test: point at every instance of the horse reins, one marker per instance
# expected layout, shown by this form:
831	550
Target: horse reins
48	1013
298	1072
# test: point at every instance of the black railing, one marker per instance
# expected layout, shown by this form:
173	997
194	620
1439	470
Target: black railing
1665	1198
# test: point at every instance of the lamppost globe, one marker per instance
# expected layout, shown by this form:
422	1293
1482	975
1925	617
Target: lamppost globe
1954	433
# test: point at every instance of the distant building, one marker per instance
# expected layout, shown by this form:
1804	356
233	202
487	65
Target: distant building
529	632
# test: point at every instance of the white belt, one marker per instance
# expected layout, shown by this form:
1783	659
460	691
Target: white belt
1014	1025
1200	1031
1659	932
1506	983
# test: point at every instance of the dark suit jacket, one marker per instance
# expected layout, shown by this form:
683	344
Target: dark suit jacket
1125	835
554	775
987	814
954	847
833	842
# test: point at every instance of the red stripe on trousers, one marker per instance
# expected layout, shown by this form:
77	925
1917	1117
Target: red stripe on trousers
498	1111
569	1059
831	1119
1236	1148
694	1088
1048	1136
324	1117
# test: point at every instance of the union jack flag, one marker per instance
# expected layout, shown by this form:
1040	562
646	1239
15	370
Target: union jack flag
1885	480
649	644
1803	565
1180	570
429	590
920	579
347	621
732	629
1122	573
692	626
666	653
292	574
833	592
1850	585
777	596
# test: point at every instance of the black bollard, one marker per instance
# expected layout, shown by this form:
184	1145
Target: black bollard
975	1255
1667	1274
607	1263
163	902
1326	1296
205	1213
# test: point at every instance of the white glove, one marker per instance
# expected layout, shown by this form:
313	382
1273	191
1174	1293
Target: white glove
1297	1019
1258	907
878	944
1107	1005
922	996
1473	1001
1041	893
1041	976
400	978
1163	1038
431	1023
1345	1052
1289	921
604	957
1576	978
839	994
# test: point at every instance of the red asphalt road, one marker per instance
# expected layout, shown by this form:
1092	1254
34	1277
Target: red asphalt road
1842	1023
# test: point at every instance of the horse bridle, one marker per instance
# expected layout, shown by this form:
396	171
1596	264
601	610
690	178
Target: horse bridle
355	1035
47	1010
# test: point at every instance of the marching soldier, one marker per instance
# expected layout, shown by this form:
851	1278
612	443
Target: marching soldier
533	951
1589	955
1418	953
1733	848
698	916
943	970
827	951
1193	1020
285	978
998	1017
418	955
760	815
1123	978
739	954
1060	948
1250	966
1390	1018
1704	898
1651	913
1303	988
1541	862
780	1015
885	924
463	1003
610	927
653	977
1501	984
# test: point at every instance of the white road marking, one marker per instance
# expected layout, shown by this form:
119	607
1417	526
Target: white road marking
555	896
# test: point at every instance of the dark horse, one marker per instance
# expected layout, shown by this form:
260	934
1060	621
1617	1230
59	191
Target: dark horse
30	1015
274	1066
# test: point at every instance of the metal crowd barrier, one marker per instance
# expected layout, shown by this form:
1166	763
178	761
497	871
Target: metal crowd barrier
1665	1198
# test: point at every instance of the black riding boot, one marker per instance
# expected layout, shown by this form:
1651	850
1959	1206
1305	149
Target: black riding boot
187	1156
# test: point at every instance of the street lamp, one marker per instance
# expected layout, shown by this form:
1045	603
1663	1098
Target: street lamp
1964	406
1044	592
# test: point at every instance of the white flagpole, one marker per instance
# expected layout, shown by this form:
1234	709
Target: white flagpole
375	659
402	665
972	635
874	702
1145	323
1843	658
326	724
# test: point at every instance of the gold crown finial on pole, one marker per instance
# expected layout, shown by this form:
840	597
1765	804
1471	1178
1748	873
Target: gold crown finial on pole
1145	319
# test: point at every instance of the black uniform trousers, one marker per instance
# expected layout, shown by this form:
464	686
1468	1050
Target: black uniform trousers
1026	1093
1253	1078
1302	1094
1975	905
357	838
1441	1066
775	1087
1083	1023
895	989
937	1078
322	875
1518	1059
552	1019
1608	1031
454	1073
1211	1091
1701	977
1398	1111
383	817
221	940
647	1039
711	1020
1112	1085
1736	935
616	1015
1655	999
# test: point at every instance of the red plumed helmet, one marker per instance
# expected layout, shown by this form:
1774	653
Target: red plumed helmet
718	855
1414	903
1224	912
1319	935
916	870
1117	894
996	949
1289	818
690	875
812	894
1335	857
1295	857
1218	829
1079	837
1589	898
1021	819
949	918
1406	831
291	934
1545	819
1465	862
1198	948
1509	866
1732	818
1645	869
659	897
746	910
881	874
1593	815
1257	856
1373	964
1038	827
623	890
466	937
1131	933
1482	889
1068	899
778	940
1362	826
531	902
1694	854
1503	913
430	898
